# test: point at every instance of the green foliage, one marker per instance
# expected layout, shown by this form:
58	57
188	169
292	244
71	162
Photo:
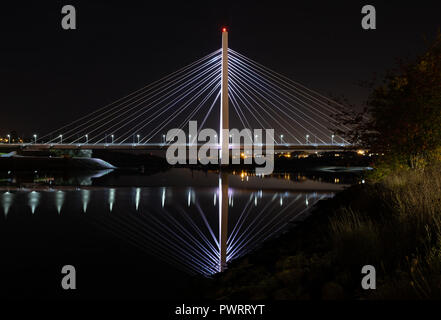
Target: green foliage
390	163
405	110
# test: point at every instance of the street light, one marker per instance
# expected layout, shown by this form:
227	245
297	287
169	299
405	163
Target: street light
307	137
35	138
112	138
163	138
281	138
137	137
9	138
61	138
332	139
87	138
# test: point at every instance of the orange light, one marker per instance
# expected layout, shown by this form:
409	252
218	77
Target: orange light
224	29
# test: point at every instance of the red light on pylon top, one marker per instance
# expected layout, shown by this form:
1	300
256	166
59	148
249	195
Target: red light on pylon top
224	29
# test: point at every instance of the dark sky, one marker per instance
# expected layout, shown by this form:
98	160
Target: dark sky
50	76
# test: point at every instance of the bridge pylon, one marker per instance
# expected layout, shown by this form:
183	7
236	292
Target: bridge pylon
224	121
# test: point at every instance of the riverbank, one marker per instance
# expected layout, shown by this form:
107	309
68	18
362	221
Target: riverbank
79	160
393	225
31	163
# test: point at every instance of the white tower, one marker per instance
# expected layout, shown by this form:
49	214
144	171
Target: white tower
224	124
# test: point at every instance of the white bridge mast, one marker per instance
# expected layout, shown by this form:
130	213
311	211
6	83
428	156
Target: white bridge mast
224	123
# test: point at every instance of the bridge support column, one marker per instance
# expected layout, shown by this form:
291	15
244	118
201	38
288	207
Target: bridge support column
224	123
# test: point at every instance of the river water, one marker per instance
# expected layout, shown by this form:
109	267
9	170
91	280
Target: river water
133	235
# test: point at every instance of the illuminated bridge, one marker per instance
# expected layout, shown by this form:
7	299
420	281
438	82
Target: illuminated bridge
222	90
203	91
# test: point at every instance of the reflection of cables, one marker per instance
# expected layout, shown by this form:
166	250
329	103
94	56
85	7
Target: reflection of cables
207	225
238	223
260	230
152	245
187	237
254	228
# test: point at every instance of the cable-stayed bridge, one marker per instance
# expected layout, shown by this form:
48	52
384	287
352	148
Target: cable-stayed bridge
223	90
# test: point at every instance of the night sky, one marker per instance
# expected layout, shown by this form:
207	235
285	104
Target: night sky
50	76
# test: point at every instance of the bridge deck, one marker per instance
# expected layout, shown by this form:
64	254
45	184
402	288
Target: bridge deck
161	146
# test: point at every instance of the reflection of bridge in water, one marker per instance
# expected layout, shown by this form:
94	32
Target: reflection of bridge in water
198	230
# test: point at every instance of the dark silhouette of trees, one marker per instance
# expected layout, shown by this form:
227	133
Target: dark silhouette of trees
403	112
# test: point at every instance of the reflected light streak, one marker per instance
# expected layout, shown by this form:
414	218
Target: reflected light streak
137	197
163	197
85	198
111	198
59	200
7	200
34	200
188	198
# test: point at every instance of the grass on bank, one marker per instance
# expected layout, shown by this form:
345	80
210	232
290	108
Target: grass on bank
403	236
393	224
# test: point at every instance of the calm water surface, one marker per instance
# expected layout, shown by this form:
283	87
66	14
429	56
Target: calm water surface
132	235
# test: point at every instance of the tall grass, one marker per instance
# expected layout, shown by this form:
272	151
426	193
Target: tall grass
404	240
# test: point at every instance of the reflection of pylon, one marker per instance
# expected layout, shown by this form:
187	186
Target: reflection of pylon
224	123
223	219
